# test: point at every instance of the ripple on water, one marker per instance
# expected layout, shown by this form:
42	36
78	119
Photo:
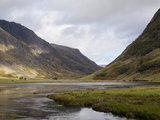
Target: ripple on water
38	107
84	114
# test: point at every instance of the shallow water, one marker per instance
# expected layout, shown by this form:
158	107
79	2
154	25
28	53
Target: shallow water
28	101
85	83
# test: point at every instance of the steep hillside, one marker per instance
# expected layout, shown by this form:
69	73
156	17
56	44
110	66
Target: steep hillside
75	59
140	60
23	53
12	55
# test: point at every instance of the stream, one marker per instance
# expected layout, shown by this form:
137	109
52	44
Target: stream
28	101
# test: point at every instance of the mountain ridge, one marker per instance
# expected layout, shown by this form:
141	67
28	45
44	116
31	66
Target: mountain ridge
35	54
139	61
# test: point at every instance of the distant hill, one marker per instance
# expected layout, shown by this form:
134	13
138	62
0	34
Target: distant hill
23	53
103	66
140	60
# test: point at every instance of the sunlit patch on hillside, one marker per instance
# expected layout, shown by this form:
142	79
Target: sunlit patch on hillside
4	70
17	71
37	51
5	48
25	71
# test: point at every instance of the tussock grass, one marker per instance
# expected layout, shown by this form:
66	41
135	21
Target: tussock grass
140	102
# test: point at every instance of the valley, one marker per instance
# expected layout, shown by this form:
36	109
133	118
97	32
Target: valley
41	79
28	101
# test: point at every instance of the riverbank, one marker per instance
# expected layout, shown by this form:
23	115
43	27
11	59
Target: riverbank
28	101
138	102
42	80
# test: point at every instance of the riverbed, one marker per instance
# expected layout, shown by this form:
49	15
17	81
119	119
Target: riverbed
28	101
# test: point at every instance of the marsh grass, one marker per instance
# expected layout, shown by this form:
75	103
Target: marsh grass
10	116
139	102
44	80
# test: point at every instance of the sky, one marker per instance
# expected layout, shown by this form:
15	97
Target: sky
100	29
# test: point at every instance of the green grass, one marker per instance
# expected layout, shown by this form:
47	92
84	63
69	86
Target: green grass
10	116
140	102
139	61
38	80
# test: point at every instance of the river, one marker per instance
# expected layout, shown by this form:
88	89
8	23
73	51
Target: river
28	101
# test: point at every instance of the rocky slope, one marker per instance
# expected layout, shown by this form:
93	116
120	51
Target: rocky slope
23	53
140	60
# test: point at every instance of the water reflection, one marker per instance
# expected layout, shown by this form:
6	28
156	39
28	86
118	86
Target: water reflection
84	83
41	108
84	114
24	102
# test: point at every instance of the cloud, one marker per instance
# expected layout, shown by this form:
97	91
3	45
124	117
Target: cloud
101	29
87	11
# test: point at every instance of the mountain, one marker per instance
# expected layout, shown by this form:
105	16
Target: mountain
75	59
23	53
140	60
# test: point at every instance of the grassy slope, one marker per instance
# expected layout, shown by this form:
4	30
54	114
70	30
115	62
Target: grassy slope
75	59
8	56
139	102
23	53
42	80
140	60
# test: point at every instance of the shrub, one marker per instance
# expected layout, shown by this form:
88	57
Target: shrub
101	75
123	69
149	66
22	78
54	78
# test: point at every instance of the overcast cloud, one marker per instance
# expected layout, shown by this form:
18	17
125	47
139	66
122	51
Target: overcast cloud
101	29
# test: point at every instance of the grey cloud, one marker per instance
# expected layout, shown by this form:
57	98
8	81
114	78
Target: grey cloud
87	11
101	29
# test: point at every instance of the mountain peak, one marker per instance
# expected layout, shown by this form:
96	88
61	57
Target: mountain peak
19	31
156	17
158	12
140	60
28	55
147	41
